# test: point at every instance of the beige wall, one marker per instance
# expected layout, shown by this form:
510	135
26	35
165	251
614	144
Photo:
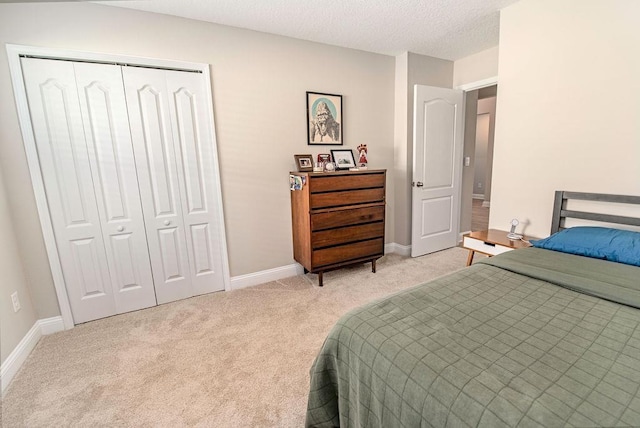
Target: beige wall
13	325
401	139
568	105
477	67
259	83
422	70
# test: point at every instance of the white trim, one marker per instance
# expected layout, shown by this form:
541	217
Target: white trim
478	196
486	204
460	237
226	274
51	325
74	55
403	250
256	278
251	279
478	84
18	356
13	53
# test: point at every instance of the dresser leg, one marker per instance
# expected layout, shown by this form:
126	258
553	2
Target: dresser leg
470	257
320	279
373	266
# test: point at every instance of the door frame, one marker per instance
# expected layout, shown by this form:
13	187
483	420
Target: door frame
14	52
468	87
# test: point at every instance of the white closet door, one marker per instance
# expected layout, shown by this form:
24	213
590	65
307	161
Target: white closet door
194	148
64	161
148	106
106	128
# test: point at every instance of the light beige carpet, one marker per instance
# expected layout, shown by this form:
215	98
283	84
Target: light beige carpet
229	359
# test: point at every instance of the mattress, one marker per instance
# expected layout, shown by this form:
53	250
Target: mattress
530	338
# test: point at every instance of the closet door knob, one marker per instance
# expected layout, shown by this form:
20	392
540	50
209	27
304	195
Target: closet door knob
120	228
167	222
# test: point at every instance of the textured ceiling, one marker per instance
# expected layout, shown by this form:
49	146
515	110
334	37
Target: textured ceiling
448	29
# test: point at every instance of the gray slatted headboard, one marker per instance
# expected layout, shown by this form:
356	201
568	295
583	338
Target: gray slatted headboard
560	212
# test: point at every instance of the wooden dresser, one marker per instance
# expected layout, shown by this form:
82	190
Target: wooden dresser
338	219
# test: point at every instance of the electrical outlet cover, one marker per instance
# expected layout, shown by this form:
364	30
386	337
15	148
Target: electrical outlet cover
15	301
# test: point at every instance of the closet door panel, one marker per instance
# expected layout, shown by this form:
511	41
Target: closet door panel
147	102
64	163
106	127
194	144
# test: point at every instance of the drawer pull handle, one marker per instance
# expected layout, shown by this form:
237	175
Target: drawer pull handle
489	244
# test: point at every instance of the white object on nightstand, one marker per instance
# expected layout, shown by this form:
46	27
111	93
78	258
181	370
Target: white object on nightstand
512	233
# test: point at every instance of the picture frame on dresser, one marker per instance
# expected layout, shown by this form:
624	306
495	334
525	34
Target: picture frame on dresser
304	163
324	157
343	159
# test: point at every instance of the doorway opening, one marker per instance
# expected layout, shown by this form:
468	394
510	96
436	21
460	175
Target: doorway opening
482	152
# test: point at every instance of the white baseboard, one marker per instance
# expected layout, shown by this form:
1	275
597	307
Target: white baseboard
403	250
51	325
478	196
18	356
251	279
486	204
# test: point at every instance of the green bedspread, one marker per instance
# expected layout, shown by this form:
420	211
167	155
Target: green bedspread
493	345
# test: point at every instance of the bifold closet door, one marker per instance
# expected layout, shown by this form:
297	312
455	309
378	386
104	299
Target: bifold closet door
158	176
115	181
173	143
194	145
90	186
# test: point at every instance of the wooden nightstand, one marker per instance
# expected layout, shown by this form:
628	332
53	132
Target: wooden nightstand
491	242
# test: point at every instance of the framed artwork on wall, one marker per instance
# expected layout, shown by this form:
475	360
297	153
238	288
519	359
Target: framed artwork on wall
324	119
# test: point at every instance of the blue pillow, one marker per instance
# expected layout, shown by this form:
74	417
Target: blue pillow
622	246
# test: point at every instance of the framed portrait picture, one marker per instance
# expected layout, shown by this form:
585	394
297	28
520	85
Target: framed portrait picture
324	119
324	157
343	159
304	162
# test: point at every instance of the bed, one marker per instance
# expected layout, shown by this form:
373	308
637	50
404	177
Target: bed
536	337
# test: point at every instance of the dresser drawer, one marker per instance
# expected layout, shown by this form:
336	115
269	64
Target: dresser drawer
349	217
347	197
344	235
345	253
333	183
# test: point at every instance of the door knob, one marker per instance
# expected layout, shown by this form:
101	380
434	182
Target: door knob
120	228
167	222
419	184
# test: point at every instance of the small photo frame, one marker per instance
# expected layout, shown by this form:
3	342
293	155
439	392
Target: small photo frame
343	159
324	119
324	157
304	162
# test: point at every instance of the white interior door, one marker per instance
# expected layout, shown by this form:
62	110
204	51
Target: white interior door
64	161
437	167
106	128
194	148
150	122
